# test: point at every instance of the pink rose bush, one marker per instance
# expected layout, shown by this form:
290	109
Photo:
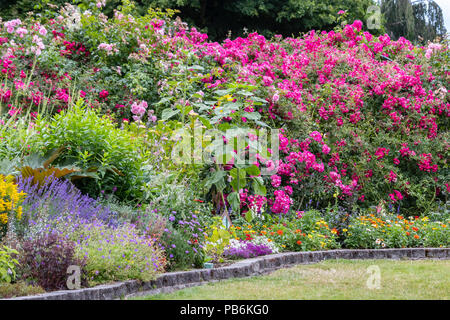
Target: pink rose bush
364	118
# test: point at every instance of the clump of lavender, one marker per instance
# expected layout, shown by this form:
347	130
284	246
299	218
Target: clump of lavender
245	249
58	199
117	254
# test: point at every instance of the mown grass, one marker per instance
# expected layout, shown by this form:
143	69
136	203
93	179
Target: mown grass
332	279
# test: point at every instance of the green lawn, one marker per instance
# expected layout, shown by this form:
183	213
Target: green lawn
332	279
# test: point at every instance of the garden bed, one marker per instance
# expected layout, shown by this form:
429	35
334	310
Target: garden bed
333	139
244	268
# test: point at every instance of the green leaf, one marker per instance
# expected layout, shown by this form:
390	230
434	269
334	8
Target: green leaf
259	99
252	115
205	122
163	101
253	170
196	67
217	179
169	113
249	216
222	92
234	201
258	186
184	109
242	179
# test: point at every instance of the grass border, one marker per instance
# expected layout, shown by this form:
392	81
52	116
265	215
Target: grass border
172	281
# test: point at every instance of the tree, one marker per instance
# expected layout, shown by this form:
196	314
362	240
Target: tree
399	15
418	21
429	21
267	17
218	18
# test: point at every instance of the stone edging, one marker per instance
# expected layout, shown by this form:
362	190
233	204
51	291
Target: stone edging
177	280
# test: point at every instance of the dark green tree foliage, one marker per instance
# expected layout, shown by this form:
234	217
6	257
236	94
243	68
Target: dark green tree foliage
419	20
429	21
218	18
399	15
12	9
268	17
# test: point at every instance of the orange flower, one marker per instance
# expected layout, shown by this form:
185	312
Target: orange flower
280	232
299	242
407	233
298	231
415	229
416	236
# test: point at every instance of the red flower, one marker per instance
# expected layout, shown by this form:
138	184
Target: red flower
103	94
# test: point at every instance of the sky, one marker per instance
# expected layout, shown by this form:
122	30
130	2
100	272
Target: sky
445	6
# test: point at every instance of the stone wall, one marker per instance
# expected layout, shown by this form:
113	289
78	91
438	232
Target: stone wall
168	282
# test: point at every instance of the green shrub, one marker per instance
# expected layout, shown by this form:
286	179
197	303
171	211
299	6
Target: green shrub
7	264
18	289
93	142
117	254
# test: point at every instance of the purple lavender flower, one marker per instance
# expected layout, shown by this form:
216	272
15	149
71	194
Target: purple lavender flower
247	250
57	197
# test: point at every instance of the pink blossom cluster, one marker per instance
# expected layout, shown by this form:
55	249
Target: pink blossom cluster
10	25
138	110
248	201
109	48
426	163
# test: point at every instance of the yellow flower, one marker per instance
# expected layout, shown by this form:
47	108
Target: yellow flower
10	199
19	212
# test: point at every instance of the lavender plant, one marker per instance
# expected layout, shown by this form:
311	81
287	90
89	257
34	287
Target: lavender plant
55	200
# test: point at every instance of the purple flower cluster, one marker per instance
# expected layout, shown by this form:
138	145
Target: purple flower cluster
247	249
60	197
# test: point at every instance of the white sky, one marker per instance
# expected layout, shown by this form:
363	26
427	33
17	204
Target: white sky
445	6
